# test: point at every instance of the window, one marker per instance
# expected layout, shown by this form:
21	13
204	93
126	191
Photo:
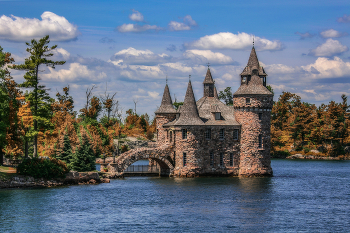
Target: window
264	81
247	100
184	157
217	115
184	134
260	115
211	159
221	159
231	159
244	79
235	134
222	134
167	134
260	141
171	136
208	134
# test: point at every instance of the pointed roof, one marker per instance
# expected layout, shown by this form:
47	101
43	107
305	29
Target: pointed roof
189	112
167	104
254	87
208	78
253	59
215	93
253	63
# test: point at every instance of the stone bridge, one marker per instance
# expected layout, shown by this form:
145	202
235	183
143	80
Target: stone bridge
162	155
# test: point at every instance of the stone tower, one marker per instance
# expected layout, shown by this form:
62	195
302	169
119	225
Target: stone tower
208	85
165	113
252	109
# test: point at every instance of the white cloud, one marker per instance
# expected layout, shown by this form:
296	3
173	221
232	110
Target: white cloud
137	28
228	40
24	29
153	94
204	56
136	16
328	68
60	52
141	57
76	72
344	19
329	48
331	33
187	24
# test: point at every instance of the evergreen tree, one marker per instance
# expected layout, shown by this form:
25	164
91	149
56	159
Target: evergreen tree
39	52
66	152
83	159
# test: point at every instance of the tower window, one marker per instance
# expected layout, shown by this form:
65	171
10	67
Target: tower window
247	100
171	136
221	159
231	159
217	115
264	81
184	157
260	141
222	134
211	159
184	133
244	79
260	115
235	134
208	134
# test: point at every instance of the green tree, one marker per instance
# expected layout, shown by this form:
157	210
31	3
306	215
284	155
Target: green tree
66	152
39	52
178	104
83	159
226	96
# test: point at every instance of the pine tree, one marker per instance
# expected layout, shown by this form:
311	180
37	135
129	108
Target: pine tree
66	153
83	159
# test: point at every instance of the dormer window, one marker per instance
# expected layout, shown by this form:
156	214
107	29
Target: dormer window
218	116
244	79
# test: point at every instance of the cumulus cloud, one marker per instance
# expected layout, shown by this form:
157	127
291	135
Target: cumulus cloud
24	29
187	24
76	72
329	48
204	56
304	35
331	33
328	68
61	53
344	19
228	40
141	57
136	16
137	28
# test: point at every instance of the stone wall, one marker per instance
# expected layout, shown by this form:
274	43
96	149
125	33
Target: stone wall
162	119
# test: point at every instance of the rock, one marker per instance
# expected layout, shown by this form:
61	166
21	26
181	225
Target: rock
315	151
347	149
105	180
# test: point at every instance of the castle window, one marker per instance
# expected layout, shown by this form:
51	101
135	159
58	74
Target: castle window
184	133
260	141
222	134
231	159
235	134
247	100
244	79
264	81
208	134
217	115
211	159
184	157
171	136
260	115
221	159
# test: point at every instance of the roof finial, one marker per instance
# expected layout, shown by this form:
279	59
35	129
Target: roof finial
189	78
253	41
166	80
208	64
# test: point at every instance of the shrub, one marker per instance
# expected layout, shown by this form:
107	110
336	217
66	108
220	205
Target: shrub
47	168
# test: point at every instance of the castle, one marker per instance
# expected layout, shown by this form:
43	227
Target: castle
208	137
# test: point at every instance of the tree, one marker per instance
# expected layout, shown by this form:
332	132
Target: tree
39	52
83	159
66	152
226	96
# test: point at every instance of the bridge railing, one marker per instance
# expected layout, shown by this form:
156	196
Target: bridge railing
142	169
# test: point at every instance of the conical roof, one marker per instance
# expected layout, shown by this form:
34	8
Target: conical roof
189	112
253	63
167	104
216	93
254	87
208	78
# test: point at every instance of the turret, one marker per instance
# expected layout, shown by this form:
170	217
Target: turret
252	108
208	85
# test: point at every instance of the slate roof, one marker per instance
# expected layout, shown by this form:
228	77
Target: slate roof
253	62
188	112
208	78
216	93
167	104
254	87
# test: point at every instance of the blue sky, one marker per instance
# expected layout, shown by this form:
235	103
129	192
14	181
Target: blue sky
131	46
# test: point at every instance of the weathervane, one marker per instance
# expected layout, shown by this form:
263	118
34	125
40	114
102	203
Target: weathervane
190	78
166	80
208	64
253	41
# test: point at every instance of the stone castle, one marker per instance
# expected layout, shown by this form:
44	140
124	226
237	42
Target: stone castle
211	138
207	137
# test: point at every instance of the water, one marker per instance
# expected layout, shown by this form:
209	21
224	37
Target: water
303	196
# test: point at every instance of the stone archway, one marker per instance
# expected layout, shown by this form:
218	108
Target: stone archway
159	154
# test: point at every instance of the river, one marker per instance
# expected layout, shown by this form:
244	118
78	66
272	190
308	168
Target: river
303	196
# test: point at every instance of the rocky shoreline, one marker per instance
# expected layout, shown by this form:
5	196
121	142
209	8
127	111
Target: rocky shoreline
72	178
313	157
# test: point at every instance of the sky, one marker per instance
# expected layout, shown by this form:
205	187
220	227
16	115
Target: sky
130	47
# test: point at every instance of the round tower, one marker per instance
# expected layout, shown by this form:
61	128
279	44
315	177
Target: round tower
252	109
164	114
